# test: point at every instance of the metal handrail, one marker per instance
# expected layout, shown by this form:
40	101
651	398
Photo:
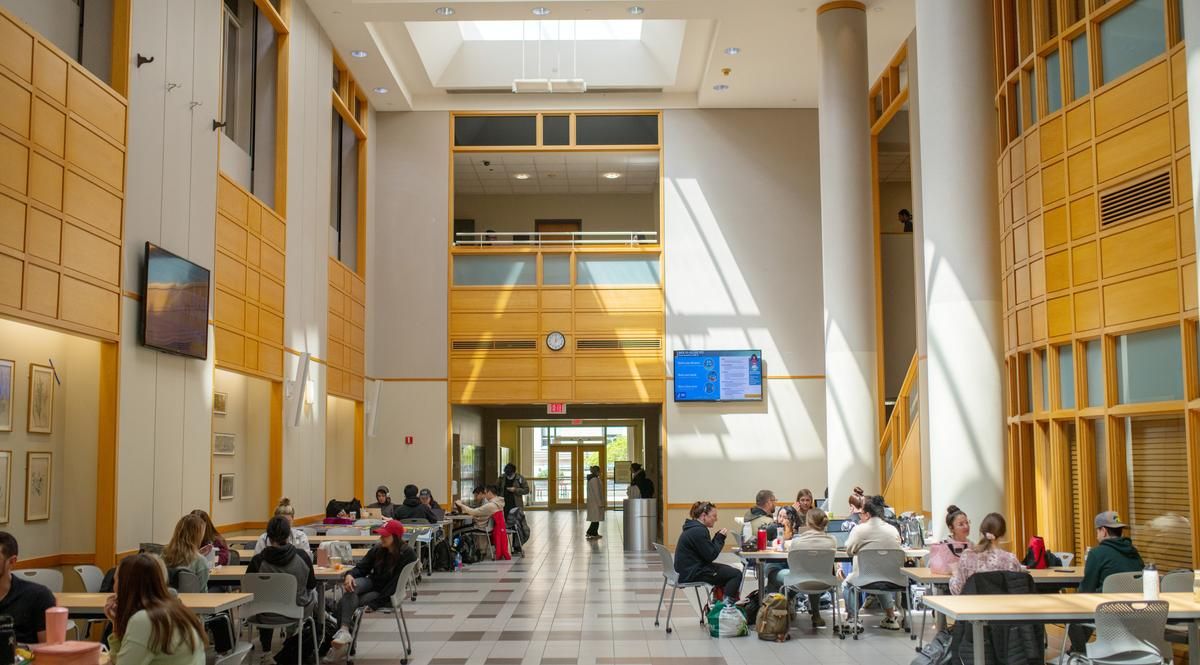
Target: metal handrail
555	238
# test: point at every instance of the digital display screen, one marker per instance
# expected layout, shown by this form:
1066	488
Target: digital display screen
175	304
718	376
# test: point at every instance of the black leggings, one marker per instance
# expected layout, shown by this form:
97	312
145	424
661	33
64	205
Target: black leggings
718	574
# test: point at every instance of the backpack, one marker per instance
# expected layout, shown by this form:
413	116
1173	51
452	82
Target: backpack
774	619
334	507
726	621
443	557
935	652
467	548
288	653
750	605
1037	557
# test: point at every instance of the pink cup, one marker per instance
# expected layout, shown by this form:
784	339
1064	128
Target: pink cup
56	625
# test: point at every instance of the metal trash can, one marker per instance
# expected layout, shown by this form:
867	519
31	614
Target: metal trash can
641	524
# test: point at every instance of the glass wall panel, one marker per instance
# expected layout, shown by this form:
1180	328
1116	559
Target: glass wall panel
1026	382
616	130
1045	371
495	271
1053	82
1149	366
1094	351
1020	107
1100	453
616	270
1131	37
556	130
1159	506
1066	377
556	269
495	130
1031	84
1081	82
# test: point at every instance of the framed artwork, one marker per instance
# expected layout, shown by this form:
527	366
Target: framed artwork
219	401
38	469
7	370
41	399
6	481
224	444
225	486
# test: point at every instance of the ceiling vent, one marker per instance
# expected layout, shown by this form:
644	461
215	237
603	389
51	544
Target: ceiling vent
1142	197
652	343
493	345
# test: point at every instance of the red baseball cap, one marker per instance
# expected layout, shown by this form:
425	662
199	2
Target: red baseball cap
391	528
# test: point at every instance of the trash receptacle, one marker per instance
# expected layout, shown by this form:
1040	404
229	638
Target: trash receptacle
641	524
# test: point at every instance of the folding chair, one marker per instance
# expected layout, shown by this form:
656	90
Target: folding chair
396	604
671	579
274	605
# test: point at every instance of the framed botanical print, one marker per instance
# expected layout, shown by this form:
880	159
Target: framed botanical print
38	478
225	486
41	399
219	403
7	370
224	443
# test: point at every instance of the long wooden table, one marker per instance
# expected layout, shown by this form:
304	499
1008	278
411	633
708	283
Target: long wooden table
1055	608
86	605
1045	577
313	541
236	573
760	558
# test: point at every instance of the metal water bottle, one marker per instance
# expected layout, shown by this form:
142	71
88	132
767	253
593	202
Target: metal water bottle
1150	583
762	538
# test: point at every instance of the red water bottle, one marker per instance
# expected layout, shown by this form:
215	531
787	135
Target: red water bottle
762	538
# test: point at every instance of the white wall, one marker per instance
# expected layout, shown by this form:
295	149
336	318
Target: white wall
171	189
339	449
899	309
71	527
248	402
743	270
58	21
599	212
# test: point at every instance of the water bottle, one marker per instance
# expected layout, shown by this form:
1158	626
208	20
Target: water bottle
1150	583
458	562
762	538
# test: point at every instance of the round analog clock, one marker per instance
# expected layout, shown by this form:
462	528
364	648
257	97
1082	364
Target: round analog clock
556	341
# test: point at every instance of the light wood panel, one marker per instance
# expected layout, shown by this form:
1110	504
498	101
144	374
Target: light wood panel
347	324
62	187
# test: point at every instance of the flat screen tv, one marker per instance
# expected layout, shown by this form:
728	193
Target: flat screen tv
718	376
174	304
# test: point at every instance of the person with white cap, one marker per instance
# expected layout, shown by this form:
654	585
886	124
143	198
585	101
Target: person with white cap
1114	553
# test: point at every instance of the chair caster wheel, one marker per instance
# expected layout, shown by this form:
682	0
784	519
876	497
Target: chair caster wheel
913	637
403	661
668	631
856	635
842	636
656	624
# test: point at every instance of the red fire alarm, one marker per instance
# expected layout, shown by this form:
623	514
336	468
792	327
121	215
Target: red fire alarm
408	440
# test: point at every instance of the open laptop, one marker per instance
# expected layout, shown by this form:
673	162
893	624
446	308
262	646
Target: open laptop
840	537
369	514
821	503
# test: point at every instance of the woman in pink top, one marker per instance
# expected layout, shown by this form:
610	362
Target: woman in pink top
943	556
986	555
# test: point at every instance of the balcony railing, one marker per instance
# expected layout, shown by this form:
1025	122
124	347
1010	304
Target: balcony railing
556	238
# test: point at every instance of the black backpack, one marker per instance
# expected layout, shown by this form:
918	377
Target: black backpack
312	653
334	507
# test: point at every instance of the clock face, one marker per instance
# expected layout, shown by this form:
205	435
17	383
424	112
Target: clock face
556	341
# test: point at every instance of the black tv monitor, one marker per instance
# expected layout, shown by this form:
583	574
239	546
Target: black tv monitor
174	304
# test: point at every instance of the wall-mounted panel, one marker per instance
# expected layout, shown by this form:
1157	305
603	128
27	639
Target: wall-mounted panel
347	320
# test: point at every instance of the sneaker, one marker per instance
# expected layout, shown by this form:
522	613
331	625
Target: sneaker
890	623
817	621
337	653
343	636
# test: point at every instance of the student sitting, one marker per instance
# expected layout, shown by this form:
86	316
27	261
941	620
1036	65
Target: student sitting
986	555
696	553
1114	553
383	501
813	537
412	508
793	517
150	626
762	515
374	578
283	557
213	546
26	602
943	556
183	551
427	499
491	503
857	501
299	538
872	530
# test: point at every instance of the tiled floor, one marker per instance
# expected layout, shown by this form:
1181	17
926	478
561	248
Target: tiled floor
575	601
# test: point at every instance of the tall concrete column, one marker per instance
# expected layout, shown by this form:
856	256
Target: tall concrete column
1191	35
847	252
961	251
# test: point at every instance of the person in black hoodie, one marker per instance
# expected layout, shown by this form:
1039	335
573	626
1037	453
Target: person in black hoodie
1114	553
412	508
383	501
280	556
374	578
696	553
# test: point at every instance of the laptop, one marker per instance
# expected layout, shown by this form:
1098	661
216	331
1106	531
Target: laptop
840	538
369	514
821	503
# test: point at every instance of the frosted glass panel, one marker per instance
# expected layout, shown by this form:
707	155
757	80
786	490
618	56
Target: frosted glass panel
1066	377
1053	83
1045	382
556	269
612	270
1031	83
495	271
1080	83
1131	37
1095	372
1020	107
1149	366
1027	385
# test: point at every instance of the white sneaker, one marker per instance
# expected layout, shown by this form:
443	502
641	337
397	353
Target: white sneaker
338	651
890	623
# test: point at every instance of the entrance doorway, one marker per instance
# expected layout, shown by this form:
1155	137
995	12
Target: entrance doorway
569	467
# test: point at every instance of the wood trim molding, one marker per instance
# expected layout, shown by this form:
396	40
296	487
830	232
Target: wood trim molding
119	59
309	519
106	455
406	378
55	560
311	357
241	526
275	449
841	4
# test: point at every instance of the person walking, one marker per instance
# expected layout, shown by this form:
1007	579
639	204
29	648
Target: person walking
595	503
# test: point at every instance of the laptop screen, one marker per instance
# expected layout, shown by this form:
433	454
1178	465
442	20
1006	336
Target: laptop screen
840	537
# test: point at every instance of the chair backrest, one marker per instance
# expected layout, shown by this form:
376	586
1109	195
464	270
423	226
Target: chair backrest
187	582
668	563
1177	581
344	531
49	578
810	570
1065	557
404	583
91	577
415	521
873	565
308	531
274	593
235	559
1123	583
1130	627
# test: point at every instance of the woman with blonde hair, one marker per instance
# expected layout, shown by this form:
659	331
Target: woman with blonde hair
184	549
299	538
986	555
213	545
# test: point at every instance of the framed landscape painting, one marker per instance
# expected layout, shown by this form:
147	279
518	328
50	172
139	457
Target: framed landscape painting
7	370
37	486
41	400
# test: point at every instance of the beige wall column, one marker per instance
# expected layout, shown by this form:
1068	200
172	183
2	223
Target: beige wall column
914	143
847	252
962	272
1191	35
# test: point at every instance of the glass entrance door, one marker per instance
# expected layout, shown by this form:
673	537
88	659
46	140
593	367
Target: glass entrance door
569	467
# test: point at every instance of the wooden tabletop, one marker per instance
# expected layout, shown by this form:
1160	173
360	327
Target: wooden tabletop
773	555
235	573
1048	607
92	604
1060	576
312	540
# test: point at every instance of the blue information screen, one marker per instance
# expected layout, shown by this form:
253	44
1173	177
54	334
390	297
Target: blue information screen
718	376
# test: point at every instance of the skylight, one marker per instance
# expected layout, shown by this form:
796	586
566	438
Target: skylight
514	31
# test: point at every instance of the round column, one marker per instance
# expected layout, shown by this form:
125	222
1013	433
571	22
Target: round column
847	252
961	253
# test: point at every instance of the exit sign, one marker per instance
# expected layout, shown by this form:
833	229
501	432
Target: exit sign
556	408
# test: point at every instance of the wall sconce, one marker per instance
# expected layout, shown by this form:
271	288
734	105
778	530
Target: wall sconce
310	391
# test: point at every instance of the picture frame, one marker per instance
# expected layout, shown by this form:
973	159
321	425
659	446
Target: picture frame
39	477
225	487
220	401
8	370
40	410
6	479
224	443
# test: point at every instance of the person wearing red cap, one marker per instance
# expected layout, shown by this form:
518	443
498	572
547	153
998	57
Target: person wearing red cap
374	578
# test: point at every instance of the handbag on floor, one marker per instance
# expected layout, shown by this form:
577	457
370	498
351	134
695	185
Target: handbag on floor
936	652
726	621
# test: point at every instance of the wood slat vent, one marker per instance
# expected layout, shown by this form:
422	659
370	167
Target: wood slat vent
1159	508
618	344
494	344
1137	199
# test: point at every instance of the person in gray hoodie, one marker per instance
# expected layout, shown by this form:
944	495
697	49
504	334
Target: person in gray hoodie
280	556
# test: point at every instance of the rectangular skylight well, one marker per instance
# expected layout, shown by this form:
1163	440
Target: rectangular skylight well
500	31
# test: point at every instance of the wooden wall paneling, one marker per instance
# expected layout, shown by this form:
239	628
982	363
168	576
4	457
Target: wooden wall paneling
1055	227
347	320
1140	298
1142	246
1132	98
1133	148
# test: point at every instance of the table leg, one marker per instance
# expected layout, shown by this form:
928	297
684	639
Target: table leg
1194	643
758	576
977	642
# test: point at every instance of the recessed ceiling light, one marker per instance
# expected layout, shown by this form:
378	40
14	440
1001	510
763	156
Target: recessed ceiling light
636	11
612	175
444	11
521	176
732	50
358	54
720	87
382	91
541	11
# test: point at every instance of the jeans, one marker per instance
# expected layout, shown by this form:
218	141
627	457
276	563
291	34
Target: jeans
774	573
594	529
888	601
363	594
720	575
